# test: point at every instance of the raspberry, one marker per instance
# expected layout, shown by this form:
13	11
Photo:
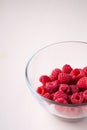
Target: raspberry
52	87
84	108
77	74
77	98
41	90
73	111
74	89
64	78
82	83
61	100
85	95
66	68
44	79
60	94
54	74
47	95
85	70
52	95
65	88
60	109
69	99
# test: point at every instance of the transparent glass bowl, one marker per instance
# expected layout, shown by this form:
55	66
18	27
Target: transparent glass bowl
55	56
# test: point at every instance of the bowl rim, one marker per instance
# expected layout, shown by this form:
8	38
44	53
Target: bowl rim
30	85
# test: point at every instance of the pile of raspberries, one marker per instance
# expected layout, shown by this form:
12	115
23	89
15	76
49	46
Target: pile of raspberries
66	85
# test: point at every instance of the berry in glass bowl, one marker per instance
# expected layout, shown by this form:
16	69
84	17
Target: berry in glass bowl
57	77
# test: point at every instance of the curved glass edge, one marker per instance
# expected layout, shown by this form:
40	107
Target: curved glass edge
34	91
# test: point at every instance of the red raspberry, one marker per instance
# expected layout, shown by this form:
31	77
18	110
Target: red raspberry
82	83
52	87
44	79
85	70
77	98
77	74
60	94
85	95
69	99
52	95
47	95
60	109
64	78
41	90
65	88
61	100
74	89
73	111
66	68
54	74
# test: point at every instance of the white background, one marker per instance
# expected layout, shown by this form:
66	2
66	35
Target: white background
25	27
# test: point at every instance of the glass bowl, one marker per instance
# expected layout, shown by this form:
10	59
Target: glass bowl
55	56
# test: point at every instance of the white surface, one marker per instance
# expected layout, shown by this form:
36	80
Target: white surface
25	26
